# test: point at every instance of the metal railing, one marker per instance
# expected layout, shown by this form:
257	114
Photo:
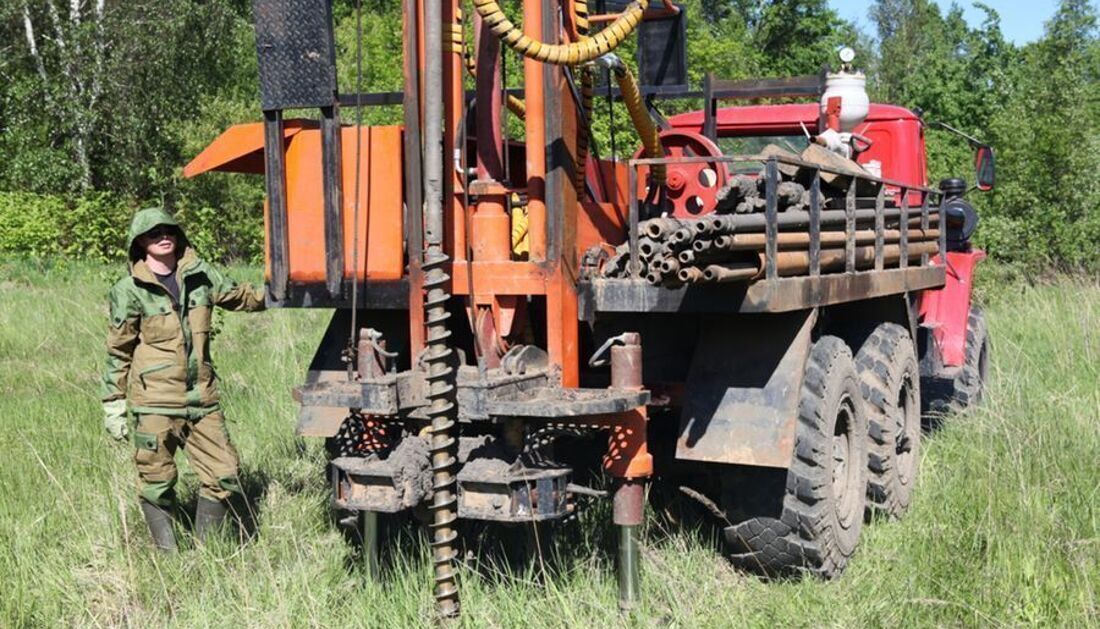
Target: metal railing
930	204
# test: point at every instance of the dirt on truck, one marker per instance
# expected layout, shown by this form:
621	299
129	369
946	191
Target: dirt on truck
761	306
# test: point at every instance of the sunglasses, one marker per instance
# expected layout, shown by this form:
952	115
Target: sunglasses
160	231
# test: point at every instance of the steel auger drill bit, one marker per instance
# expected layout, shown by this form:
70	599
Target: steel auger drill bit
440	375
438	359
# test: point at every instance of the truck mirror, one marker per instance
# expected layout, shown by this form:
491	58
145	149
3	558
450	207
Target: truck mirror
983	163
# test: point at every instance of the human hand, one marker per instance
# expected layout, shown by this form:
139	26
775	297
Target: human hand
114	419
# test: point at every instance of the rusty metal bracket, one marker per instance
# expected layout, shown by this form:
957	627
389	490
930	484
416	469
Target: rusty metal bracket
597	359
521	359
377	396
555	402
491	490
366	485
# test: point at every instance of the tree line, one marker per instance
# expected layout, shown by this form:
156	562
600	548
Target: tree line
102	102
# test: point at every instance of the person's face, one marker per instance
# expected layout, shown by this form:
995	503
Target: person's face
159	241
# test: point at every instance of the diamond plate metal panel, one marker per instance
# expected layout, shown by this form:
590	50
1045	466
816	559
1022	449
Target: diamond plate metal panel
294	46
662	51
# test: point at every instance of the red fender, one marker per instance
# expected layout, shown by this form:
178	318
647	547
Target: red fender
946	310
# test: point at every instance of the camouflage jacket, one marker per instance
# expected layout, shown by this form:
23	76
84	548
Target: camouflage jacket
158	352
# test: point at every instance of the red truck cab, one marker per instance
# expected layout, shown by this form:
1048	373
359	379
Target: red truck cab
897	149
897	153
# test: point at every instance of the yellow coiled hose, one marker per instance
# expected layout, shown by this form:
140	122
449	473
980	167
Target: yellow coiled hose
580	173
647	130
457	43
561	54
582	51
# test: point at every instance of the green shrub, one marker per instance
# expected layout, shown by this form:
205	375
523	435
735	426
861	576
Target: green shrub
29	223
91	227
94	226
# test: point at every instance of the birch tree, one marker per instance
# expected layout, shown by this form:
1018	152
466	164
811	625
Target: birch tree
67	46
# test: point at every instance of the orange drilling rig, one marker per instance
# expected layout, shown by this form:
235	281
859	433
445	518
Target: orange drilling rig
758	306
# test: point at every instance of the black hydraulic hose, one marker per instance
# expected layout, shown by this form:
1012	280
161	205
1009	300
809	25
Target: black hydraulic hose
584	128
350	353
639	116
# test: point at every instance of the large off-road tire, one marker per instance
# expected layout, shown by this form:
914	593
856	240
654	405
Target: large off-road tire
890	382
821	513
969	384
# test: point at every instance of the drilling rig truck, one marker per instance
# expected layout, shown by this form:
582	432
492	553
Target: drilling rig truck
759	306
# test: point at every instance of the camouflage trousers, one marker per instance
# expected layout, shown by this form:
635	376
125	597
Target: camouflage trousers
208	448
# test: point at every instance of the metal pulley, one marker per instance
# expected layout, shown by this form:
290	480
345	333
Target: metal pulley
691	188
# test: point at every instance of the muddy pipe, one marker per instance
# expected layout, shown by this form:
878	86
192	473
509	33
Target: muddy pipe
800	219
731	272
661	227
792	240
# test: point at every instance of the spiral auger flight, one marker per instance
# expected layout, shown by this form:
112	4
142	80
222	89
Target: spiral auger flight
439	367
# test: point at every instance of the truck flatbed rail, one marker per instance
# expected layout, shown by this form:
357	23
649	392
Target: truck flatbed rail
780	295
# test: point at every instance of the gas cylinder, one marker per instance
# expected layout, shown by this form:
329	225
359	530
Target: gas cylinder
851	86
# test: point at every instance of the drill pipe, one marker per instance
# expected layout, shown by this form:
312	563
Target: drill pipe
690	275
731	272
792	263
438	354
801	240
648	247
680	236
713	225
654	265
661	227
796	219
704	251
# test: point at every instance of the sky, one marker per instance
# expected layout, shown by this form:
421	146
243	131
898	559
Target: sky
1021	22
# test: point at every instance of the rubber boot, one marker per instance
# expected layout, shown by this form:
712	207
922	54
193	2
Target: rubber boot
159	520
209	516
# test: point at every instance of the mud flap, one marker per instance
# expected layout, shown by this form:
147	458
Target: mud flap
741	396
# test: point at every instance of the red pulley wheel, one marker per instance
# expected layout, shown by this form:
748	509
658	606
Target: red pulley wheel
690	188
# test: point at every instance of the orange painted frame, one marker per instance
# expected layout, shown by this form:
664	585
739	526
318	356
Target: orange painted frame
381	218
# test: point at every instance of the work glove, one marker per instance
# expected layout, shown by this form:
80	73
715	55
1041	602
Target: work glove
114	419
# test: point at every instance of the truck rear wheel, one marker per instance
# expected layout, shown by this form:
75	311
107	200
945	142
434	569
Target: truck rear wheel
890	382
969	385
821	514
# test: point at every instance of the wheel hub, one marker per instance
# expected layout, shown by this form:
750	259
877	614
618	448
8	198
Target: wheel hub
845	472
691	188
904	439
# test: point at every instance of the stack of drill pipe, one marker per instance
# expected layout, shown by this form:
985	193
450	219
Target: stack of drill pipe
720	248
744	195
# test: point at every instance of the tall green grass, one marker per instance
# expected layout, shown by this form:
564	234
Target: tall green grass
1004	530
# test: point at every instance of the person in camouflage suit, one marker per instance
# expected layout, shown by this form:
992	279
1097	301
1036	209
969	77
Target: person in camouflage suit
159	369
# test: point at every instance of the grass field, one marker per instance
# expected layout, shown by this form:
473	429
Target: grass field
1005	527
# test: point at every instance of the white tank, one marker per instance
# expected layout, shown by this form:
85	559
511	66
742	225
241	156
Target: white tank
851	87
